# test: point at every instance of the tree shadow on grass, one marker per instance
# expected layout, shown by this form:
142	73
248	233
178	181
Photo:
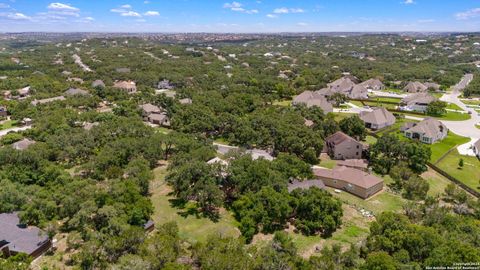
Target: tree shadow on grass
188	208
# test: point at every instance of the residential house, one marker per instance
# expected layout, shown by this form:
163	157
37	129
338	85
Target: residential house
417	102
357	182
47	100
373	84
305	184
24	92
342	146
160	119
165	84
98	84
149	226
123	70
432	86
3	111
358	92
311	99
185	101
476	148
149	108
23	144
76	92
415	87
377	119
429	131
129	86
89	126
343	85
18	238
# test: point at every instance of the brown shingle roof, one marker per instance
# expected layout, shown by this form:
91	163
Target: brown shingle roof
356	177
353	163
338	138
377	116
429	127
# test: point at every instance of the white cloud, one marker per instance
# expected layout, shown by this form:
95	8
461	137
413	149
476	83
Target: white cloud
426	20
472	13
272	16
151	13
408	2
302	24
3	5
238	7
285	10
18	16
232	5
62	7
130	14
126	6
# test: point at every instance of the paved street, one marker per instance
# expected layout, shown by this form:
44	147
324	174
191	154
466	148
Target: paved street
15	129
463	128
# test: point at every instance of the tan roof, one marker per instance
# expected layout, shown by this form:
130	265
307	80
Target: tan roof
76	92
23	144
343	84
47	100
310	99
373	83
418	98
150	108
339	137
432	85
160	117
429	127
125	85
377	116
354	163
354	176
413	87
358	92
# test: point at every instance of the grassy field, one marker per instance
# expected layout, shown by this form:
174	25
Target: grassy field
442	147
469	174
383	201
8	124
395	128
437	182
326	162
340	116
453	106
471	102
449	116
370	140
284	103
386	99
191	227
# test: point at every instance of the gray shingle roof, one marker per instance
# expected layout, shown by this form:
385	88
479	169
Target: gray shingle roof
306	184
378	116
21	239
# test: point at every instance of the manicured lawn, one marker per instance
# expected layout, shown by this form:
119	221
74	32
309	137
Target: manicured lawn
387	99
340	116
471	102
8	124
356	102
384	201
191	227
442	147
449	116
326	162
469	174
395	128
374	103
453	106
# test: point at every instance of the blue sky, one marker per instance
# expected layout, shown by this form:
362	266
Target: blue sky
239	16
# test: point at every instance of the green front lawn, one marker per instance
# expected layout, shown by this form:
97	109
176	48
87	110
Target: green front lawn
469	174
449	116
437	182
284	103
440	148
453	106
385	99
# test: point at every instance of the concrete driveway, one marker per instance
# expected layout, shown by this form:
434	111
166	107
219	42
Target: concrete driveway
15	129
463	128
